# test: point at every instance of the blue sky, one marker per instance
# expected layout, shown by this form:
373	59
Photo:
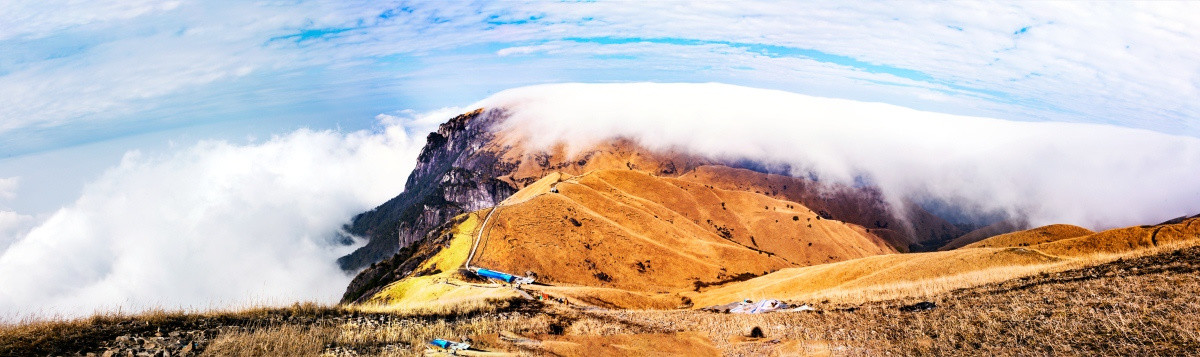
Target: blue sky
123	75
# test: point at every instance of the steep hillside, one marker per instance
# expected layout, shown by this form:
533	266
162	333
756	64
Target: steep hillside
995	259
912	228
473	162
632	231
451	177
615	224
467	165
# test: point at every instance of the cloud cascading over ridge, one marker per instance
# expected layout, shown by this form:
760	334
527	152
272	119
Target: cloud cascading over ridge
1093	175
213	225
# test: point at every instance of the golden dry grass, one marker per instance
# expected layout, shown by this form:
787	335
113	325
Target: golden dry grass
384	336
1134	305
299	330
864	206
1129	306
651	344
611	298
1142	305
449	307
922	274
922	288
522	238
600	263
438	289
1045	234
60	336
630	230
895	274
534	163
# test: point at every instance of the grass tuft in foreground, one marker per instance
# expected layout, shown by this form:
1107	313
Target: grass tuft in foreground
1138	305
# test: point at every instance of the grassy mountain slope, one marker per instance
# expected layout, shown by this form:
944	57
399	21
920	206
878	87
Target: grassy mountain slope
622	232
999	258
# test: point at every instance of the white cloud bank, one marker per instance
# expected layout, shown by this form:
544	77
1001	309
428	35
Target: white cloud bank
213	225
1093	175
8	187
12	224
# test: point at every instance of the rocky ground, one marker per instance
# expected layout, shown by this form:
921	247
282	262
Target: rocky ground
165	334
1137	306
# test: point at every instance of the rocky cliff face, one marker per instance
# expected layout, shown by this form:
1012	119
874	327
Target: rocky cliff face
452	176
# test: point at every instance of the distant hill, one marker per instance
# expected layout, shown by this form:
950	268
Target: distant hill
985	232
1025	238
999	258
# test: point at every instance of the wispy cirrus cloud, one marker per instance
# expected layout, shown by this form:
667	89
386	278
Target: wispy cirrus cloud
1130	64
33	19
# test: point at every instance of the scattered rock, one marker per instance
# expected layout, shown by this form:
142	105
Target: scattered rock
159	343
920	306
756	332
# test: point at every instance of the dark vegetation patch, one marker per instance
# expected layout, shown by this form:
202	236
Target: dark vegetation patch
756	332
920	306
697	285
725	232
642	266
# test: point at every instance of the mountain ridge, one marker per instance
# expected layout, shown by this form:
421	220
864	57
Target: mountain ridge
473	162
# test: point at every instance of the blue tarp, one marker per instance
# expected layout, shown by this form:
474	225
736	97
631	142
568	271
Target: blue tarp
441	343
491	274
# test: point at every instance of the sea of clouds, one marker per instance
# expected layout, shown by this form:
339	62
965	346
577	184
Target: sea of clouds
214	225
1097	176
